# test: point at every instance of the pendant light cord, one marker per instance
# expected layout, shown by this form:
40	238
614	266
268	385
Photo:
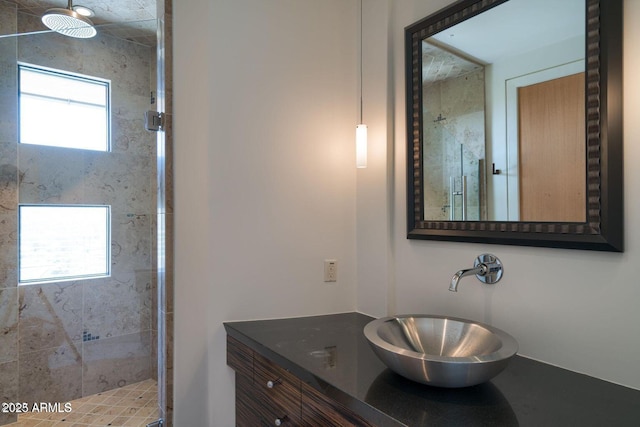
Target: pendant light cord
360	61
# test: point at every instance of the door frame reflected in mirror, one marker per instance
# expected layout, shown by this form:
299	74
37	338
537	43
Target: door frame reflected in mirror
603	228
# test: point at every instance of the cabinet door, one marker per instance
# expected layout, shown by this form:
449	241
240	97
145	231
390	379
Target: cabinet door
279	390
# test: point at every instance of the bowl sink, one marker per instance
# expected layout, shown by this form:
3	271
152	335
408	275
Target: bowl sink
439	350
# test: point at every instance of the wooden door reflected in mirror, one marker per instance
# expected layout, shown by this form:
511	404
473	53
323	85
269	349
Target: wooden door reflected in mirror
552	150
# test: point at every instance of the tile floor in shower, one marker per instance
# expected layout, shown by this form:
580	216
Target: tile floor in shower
134	405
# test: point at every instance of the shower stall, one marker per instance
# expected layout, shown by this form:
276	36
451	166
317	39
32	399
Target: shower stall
85	259
453	137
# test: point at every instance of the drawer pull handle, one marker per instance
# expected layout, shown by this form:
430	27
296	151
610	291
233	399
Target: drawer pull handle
272	384
280	421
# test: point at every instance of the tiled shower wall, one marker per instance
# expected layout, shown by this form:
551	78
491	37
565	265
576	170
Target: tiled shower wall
43	357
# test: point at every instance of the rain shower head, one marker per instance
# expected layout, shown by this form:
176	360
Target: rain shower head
69	22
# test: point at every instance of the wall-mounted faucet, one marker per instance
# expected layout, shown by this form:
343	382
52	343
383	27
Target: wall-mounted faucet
487	268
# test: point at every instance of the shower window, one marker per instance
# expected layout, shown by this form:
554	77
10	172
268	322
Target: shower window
63	242
63	110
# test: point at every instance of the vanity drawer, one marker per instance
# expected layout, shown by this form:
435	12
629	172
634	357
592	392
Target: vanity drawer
254	409
278	389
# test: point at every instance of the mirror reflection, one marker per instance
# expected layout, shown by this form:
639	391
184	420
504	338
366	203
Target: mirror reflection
503	107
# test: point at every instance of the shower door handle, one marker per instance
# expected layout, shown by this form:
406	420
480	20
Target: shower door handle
464	197
452	197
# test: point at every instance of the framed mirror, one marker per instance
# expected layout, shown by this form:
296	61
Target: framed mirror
514	124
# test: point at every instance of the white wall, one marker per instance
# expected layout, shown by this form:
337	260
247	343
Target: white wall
266	108
575	309
374	184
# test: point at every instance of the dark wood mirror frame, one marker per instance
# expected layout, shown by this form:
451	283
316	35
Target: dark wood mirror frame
603	229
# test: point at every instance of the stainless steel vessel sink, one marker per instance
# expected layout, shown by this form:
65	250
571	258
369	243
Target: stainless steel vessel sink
441	351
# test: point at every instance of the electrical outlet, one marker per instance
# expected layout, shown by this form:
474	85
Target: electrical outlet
330	270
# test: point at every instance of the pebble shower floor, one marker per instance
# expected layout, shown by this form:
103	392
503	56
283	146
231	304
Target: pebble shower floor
134	405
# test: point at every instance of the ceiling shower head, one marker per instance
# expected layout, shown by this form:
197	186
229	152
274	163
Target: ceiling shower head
69	22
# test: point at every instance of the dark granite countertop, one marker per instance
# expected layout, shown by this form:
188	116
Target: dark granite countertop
331	354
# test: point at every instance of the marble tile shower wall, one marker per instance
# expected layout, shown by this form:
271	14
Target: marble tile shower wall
454	117
61	341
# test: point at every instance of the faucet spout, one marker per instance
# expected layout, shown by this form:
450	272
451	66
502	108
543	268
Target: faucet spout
480	269
487	268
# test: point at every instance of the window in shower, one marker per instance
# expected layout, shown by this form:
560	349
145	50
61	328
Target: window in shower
63	242
63	110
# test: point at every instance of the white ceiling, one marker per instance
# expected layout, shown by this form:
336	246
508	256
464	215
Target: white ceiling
516	26
133	20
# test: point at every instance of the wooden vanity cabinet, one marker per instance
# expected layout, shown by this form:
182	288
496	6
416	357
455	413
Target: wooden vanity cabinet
269	395
320	411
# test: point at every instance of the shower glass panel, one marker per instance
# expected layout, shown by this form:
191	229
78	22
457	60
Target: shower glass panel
66	340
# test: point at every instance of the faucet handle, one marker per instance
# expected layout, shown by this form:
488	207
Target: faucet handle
492	268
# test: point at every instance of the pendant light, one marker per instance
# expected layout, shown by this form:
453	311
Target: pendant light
361	129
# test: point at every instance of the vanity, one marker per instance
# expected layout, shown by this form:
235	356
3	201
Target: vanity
321	371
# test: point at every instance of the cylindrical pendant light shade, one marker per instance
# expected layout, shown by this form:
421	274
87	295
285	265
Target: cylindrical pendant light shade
361	129
361	146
